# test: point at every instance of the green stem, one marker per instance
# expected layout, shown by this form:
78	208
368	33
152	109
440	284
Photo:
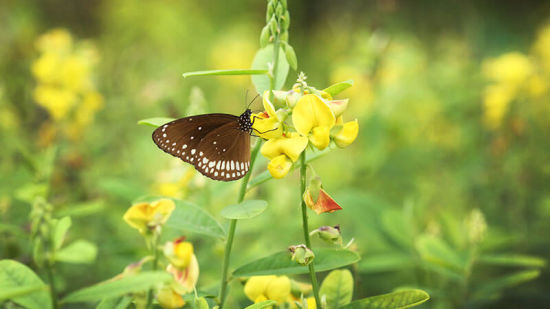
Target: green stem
313	276
53	290
154	245
233	226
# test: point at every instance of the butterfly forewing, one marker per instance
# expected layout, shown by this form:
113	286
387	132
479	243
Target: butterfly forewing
225	153
216	144
181	137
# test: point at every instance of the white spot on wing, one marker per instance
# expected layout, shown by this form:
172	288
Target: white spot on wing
193	151
184	146
232	165
223	165
211	164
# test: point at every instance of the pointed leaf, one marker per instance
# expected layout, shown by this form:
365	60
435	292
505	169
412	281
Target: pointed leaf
60	230
338	87
263	304
245	210
395	300
155	122
437	251
115	288
191	218
512	260
115	303
337	288
14	292
488	288
281	264
78	252
263	57
226	72
15	275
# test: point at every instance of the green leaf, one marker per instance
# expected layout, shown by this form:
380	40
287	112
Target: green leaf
385	262
14	292
155	122
60	230
436	251
245	210
263	57
280	263
337	288
512	260
226	72
189	217
488	288
338	87
78	252
201	303
15	275
395	300
261	305
115	303
115	288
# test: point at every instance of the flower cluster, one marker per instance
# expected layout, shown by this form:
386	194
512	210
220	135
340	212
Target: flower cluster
513	76
64	84
148	218
316	120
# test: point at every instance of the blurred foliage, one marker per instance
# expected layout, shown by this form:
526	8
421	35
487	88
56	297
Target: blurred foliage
445	189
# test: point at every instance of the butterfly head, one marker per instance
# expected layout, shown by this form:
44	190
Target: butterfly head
244	121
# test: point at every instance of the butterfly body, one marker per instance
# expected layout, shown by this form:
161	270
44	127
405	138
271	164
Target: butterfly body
218	145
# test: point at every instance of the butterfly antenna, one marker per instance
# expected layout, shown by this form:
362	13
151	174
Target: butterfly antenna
252	101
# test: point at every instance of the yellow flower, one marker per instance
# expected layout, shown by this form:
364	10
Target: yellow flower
510	68
57	101
260	288
179	252
147	216
185	279
345	133
496	100
169	299
282	152
311	304
541	49
56	40
314	118
267	124
279	166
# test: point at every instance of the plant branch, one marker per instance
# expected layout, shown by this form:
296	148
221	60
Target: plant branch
313	276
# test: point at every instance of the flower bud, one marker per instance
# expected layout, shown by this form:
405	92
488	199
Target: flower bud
291	57
169	299
264	36
279	10
179	252
330	234
273	25
301	254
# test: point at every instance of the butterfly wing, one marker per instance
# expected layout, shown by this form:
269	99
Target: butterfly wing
224	153
181	137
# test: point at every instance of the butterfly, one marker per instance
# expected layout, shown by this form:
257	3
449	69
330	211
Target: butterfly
218	145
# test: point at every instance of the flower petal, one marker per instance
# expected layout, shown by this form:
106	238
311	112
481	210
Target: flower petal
256	286
324	202
346	134
265	126
279	166
292	146
279	289
310	112
320	137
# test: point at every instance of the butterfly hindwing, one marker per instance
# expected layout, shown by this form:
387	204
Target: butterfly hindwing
224	153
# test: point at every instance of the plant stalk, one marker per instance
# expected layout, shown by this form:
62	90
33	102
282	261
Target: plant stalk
313	276
233	226
154	247
53	290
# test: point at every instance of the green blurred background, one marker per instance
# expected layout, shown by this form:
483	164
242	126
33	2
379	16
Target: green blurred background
445	189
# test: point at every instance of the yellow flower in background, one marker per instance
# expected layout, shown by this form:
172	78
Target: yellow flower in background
260	288
267	124
314	118
185	279
64	85
147	216
510	68
496	101
169	299
179	252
